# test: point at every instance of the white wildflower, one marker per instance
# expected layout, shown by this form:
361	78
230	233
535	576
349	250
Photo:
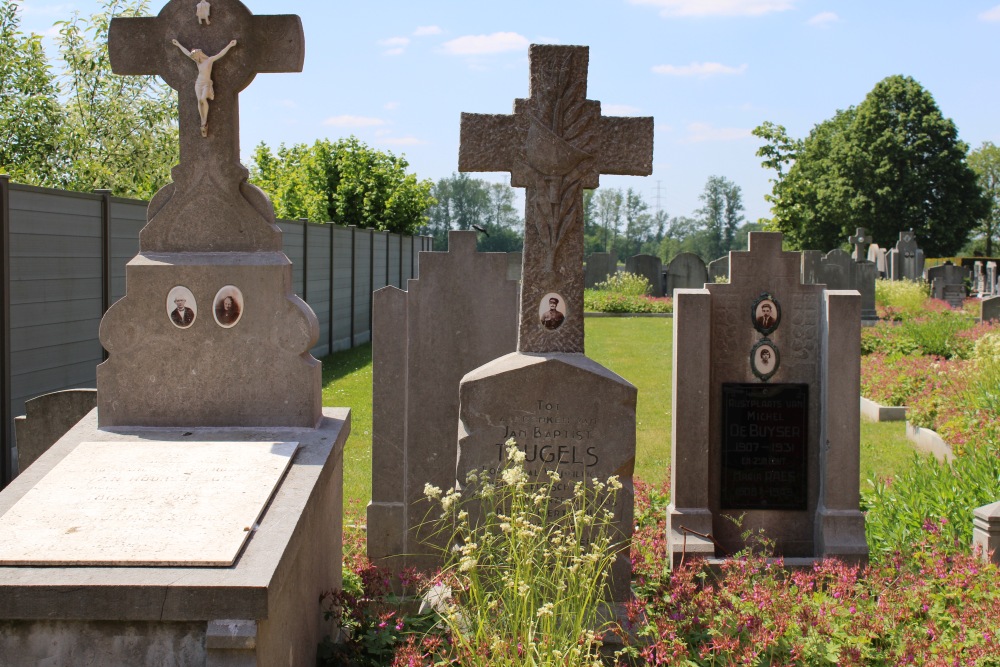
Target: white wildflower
432	492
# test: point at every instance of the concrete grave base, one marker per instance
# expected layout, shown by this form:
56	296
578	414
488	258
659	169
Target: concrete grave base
263	610
567	413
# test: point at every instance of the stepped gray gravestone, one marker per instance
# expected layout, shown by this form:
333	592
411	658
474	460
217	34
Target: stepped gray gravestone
906	260
944	280
460	314
649	267
766	417
600	265
197	511
565	411
989	309
686	270
718	269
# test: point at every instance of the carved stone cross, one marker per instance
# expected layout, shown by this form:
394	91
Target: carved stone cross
554	145
859	241
209	206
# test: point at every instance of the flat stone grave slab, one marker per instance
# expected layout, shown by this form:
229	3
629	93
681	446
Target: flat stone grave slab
94	507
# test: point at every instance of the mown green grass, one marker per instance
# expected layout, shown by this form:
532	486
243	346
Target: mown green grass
638	349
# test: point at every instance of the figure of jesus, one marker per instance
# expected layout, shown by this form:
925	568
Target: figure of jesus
202	10
203	84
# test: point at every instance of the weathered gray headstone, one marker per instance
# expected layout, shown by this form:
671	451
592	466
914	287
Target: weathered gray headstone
876	255
460	314
992	284
906	260
839	271
564	410
954	295
947	275
599	266
718	269
989	309
986	532
860	239
978	278
649	267
766	414
686	270
208	357
47	418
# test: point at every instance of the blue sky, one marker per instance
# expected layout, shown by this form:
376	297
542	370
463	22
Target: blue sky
398	73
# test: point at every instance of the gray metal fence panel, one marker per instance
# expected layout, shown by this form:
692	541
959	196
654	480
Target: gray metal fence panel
380	266
343	261
395	261
292	239
318	283
409	252
361	326
128	217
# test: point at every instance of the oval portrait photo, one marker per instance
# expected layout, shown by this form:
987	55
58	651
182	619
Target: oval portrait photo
552	311
228	306
764	359
181	308
766	314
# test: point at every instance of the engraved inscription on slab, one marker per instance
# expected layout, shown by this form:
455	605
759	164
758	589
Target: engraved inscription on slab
764	446
145	504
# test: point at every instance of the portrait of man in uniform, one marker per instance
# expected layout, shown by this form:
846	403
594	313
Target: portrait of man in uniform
554	316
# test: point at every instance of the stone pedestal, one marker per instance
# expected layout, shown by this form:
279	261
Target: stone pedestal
567	413
263	610
986	531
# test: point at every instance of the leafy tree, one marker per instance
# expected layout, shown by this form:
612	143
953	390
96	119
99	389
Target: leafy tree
893	163
502	214
609	215
30	115
985	161
462	201
638	223
684	234
120	131
721	215
344	182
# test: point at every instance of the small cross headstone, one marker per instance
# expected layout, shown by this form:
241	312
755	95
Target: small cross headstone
209	206
555	145
564	410
860	239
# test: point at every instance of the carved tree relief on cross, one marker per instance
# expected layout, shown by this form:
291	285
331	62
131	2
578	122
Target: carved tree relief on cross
555	145
209	206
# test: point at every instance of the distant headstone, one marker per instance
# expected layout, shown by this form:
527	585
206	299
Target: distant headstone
718	269
990	309
460	314
565	411
649	267
599	266
766	416
876	255
992	284
686	270
860	239
47	418
944	278
839	271
978	278
906	260
210	468
513	266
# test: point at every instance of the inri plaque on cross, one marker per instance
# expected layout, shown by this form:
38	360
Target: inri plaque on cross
554	145
209	206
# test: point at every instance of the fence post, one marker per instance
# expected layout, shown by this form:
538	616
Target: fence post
329	326
6	445
371	276
354	273
105	254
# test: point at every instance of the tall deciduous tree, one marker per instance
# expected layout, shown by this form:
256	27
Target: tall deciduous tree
344	182
721	214
893	163
985	161
120	131
30	115
638	223
609	215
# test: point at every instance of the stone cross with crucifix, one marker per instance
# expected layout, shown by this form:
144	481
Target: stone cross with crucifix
209	207
860	239
555	145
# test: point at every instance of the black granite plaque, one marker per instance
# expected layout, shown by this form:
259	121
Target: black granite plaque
764	446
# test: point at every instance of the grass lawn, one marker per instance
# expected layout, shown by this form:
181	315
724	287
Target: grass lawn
639	349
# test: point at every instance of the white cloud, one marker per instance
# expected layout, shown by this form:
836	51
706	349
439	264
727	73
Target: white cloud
61	11
699	132
287	104
394	52
619	110
699	69
823	19
427	31
473	45
991	14
391	105
402	141
670	8
394	41
353	121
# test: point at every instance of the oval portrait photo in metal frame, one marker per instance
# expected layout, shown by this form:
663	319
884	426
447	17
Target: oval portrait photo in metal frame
181	307
552	310
228	306
764	359
766	313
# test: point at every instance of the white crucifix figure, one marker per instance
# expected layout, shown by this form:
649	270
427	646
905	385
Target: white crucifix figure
203	84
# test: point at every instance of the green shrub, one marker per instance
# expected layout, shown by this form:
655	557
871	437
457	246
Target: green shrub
625	283
901	299
612	302
931	498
